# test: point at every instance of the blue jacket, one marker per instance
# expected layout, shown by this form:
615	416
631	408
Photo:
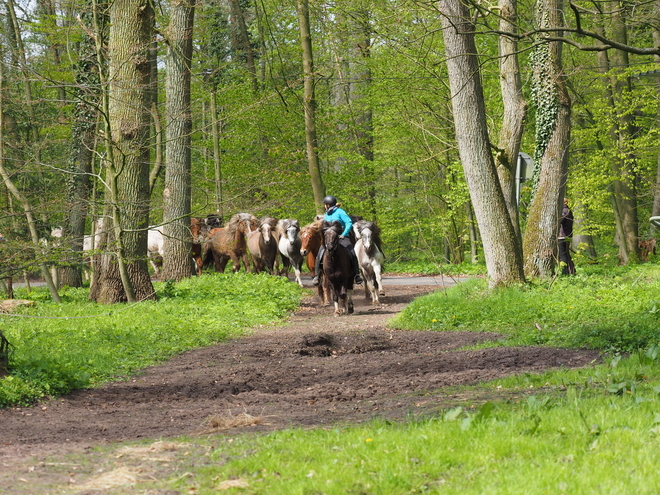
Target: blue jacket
336	213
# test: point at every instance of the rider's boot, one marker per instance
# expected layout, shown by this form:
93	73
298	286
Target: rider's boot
317	268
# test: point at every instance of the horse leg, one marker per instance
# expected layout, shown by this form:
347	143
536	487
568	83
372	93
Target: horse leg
349	297
297	269
379	278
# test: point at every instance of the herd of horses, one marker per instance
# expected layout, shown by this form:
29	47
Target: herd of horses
275	246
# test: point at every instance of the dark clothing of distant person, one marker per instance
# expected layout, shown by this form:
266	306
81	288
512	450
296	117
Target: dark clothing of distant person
565	234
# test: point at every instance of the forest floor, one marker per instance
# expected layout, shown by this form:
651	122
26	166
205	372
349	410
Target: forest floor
313	370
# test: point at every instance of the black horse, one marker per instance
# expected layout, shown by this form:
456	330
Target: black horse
338	268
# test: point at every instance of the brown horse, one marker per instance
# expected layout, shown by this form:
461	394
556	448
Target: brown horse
199	229
262	244
337	268
312	240
223	244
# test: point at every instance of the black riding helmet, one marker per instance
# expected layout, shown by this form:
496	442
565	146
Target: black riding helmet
330	201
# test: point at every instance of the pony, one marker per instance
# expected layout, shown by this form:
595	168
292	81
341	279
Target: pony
337	268
155	248
311	241
262	244
199	229
369	252
288	232
225	243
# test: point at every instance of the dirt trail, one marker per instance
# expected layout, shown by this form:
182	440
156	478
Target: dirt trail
314	370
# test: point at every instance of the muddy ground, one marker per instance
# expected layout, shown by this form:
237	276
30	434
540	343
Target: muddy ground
315	370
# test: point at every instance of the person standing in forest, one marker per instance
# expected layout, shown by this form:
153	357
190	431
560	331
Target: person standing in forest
565	234
334	213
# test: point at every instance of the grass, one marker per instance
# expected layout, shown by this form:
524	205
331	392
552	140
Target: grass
594	430
614	311
570	431
76	344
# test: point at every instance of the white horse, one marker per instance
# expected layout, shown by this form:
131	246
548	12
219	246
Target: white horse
370	258
289	245
155	248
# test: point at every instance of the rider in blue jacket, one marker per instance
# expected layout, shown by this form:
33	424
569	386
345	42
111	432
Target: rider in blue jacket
334	213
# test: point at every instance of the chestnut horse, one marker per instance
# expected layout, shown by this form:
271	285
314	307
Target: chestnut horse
223	244
311	241
369	252
262	244
337	268
199	229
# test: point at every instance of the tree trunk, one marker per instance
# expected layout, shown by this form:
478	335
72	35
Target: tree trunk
623	163
309	103
81	159
177	263
503	259
125	277
656	192
551	158
514	109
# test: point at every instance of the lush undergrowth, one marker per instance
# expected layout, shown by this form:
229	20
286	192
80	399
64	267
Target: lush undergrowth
75	344
613	310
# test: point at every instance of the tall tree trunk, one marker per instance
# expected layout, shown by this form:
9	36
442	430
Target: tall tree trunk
514	109
352	64
309	103
552	142
656	192
503	259
83	138
128	104
623	163
177	264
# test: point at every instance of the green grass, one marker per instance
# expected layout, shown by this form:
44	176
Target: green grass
615	311
76	344
592	430
569	431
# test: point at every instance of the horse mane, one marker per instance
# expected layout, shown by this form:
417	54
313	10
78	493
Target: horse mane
335	225
284	224
315	226
236	221
270	221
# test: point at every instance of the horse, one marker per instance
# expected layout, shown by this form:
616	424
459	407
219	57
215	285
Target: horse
337	268
289	243
311	241
262	245
369	252
225	243
155	248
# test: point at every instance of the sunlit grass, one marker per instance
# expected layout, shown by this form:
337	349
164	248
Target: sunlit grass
57	347
615	311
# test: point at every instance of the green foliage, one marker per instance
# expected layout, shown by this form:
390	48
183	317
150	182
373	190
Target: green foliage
614	311
78	344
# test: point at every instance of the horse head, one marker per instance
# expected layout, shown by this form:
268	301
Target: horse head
331	233
291	229
310	235
366	234
266	227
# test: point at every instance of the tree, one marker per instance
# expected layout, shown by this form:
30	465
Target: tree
125	276
309	102
503	260
553	110
176	208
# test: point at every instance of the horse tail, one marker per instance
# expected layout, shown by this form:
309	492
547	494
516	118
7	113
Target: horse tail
207	253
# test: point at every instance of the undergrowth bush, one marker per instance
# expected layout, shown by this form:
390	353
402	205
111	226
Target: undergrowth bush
75	344
617	310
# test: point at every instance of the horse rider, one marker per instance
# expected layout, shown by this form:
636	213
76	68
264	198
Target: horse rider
334	213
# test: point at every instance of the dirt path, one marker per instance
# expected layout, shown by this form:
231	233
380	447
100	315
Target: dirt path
315	370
